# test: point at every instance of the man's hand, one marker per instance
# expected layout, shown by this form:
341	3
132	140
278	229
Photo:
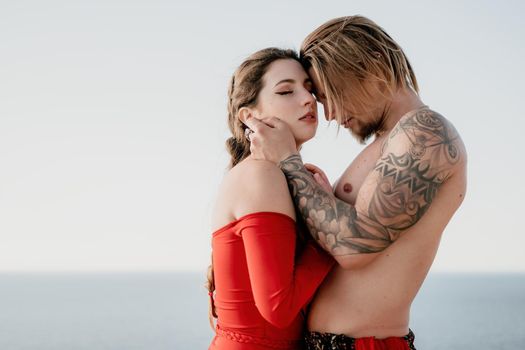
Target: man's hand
271	139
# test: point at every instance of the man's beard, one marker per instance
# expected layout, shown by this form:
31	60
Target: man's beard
365	131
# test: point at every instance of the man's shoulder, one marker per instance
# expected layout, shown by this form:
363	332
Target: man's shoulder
429	142
426	120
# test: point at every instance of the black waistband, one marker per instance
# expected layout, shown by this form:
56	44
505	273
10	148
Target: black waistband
331	341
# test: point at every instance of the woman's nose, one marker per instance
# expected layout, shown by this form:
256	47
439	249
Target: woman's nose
308	98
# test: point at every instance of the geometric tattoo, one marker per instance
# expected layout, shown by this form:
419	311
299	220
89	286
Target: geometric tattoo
417	157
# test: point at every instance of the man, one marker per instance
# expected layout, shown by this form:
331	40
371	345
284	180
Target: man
384	220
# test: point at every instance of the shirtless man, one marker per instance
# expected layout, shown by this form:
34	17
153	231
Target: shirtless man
384	218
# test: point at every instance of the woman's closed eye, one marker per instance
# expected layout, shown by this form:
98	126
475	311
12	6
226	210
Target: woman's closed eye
287	92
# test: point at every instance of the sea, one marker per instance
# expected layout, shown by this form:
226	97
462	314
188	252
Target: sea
169	310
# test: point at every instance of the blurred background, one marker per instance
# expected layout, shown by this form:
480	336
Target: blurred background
112	130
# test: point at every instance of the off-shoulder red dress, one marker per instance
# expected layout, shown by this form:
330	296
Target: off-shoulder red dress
262	288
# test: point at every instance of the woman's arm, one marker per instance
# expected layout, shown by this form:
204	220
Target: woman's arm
282	283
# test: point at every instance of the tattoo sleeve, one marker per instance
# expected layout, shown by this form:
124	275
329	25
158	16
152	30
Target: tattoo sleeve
416	159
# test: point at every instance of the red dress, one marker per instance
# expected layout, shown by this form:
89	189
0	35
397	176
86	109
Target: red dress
261	286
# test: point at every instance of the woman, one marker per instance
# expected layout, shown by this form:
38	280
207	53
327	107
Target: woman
261	278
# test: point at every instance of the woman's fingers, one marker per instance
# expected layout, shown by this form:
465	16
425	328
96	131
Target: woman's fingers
321	181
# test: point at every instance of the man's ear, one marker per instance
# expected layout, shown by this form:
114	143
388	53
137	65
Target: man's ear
245	113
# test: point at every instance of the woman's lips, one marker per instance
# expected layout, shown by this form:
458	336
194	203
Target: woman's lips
308	118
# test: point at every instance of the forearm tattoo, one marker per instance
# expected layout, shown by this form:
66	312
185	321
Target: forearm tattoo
417	157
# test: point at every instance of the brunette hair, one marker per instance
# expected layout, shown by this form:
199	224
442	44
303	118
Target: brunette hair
243	91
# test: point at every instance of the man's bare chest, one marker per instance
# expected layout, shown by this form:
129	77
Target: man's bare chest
348	185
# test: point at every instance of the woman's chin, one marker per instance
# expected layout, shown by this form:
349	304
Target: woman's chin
302	140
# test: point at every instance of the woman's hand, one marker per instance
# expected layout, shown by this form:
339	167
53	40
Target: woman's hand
320	177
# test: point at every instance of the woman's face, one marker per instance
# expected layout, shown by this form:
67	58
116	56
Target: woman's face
287	95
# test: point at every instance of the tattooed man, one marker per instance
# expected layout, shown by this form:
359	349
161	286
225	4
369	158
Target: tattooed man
384	217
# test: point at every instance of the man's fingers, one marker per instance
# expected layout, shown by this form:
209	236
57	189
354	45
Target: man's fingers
274	122
268	122
255	124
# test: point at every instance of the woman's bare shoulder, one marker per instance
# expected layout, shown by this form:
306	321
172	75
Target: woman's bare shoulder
254	186
258	168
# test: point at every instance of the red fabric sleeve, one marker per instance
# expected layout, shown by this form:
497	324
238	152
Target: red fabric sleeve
281	285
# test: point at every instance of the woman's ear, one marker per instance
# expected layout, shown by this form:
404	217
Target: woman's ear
245	113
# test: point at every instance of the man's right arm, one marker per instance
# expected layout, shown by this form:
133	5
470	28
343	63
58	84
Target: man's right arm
420	154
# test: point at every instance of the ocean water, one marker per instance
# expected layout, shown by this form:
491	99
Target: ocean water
167	311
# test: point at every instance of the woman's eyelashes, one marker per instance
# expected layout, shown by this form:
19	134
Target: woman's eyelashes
291	91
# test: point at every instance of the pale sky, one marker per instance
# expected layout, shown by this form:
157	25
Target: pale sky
113	122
